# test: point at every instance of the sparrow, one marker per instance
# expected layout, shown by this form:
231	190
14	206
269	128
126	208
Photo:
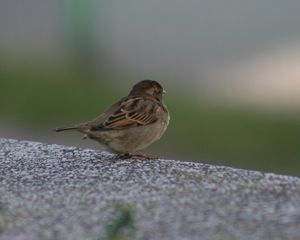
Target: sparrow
131	124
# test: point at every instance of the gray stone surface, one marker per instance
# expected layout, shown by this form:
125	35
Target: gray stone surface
58	192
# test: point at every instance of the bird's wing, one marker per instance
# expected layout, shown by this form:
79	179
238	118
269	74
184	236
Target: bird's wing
129	112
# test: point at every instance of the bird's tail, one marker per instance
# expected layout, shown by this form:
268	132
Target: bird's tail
66	129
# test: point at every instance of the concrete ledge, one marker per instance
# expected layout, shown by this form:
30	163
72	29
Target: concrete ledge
58	192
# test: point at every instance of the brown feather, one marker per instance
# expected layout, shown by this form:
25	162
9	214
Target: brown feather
132	112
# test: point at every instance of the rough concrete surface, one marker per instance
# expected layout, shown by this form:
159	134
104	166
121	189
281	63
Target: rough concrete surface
58	192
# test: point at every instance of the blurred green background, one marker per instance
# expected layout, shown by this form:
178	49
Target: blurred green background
230	68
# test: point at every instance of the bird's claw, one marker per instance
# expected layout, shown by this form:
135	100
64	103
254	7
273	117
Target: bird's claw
138	156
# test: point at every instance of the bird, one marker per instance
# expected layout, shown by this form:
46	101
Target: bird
131	124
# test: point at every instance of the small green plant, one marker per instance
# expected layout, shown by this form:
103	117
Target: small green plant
223	237
122	225
3	220
2	208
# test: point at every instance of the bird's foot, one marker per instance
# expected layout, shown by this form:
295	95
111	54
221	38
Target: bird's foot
143	156
124	156
138	156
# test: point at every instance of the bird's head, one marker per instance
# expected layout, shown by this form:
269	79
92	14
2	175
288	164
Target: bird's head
148	88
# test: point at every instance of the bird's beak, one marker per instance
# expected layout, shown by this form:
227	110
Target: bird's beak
164	91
